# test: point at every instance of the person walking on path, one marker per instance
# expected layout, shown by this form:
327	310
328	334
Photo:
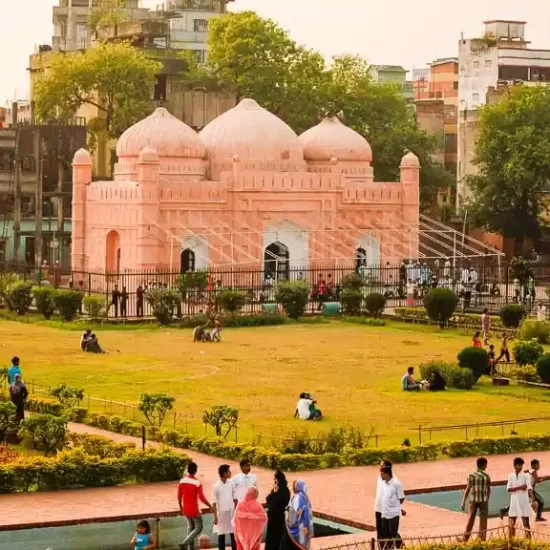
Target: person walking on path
243	481
479	492
224	507
504	352
539	501
392	499
189	493
485	326
299	520
378	499
18	395
250	521
277	502
13	370
521	497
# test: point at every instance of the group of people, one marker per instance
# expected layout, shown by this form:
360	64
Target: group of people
89	342
436	382
306	408
239	517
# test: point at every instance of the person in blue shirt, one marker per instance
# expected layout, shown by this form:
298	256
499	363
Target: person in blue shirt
143	540
13	370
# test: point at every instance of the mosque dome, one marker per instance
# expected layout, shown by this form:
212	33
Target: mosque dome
410	160
82	157
332	139
249	131
164	133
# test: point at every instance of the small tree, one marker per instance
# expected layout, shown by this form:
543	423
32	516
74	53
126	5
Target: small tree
8	423
155	407
511	315
476	359
94	306
351	301
293	296
6	280
19	297
375	303
527	353
68	303
222	419
44	432
543	368
163	301
231	300
44	300
68	396
353	282
440	304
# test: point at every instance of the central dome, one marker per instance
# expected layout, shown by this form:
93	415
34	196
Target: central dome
163	132
250	132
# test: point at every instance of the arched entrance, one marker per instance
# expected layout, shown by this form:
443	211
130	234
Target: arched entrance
187	260
113	251
277	261
360	258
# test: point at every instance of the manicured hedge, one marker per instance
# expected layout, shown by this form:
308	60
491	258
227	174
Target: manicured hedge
368	321
471	319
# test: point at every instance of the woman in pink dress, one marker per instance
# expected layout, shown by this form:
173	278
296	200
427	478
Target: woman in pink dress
249	521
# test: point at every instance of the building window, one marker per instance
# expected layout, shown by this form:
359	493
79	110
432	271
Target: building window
488	63
475	64
455	85
200	25
508	72
475	98
201	56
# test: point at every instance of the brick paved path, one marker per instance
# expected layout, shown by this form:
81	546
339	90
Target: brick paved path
346	493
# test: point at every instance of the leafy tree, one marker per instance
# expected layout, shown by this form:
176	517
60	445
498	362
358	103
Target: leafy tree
509	194
163	301
511	315
115	78
106	13
94	306
231	300
67	395
44	432
222	419
155	407
293	296
528	352
43	298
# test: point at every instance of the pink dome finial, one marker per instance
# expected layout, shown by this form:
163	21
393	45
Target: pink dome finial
82	157
409	160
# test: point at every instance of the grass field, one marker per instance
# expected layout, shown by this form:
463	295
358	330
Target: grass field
354	371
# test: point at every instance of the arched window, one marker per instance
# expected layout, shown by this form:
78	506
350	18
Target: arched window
113	252
276	261
360	258
187	260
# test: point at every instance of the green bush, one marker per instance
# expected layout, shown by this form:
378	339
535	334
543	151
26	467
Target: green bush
163	302
543	367
375	303
8	424
368	321
352	282
231	300
103	447
66	395
534	329
94	306
511	315
476	359
44	300
6	280
68	303
19	297
44	406
467	319
44	432
454	376
440	304
526	374
293	296
527	353
351	301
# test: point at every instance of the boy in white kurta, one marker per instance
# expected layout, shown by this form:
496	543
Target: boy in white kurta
224	507
521	497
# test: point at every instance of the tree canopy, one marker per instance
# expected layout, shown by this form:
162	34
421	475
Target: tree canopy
255	58
509	194
116	79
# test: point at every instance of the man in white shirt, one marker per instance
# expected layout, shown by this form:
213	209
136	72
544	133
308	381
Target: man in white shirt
378	499
303	407
224	507
243	481
392	499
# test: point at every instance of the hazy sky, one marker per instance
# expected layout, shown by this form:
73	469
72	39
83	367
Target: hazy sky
394	32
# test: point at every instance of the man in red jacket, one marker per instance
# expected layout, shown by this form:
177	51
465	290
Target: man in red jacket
189	493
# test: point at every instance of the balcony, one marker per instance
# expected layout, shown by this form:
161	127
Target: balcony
217	6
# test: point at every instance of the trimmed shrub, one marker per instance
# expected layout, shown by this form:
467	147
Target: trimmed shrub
8	424
534	329
352	282
368	321
476	359
44	432
440	304
454	376
526	374
231	300
19	297
375	303
293	296
511	315
68	303
44	300
94	306
44	406
527	353
163	302
543	367
351	301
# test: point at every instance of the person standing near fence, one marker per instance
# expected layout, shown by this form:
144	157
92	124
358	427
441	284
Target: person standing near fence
224	507
123	302
539	501
521	496
189	493
140	293
115	299
479	491
392	499
378	499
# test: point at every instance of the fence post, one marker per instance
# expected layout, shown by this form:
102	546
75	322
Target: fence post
420	435
143	438
373	544
466	433
174	420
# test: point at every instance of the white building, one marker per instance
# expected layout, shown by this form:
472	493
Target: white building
500	56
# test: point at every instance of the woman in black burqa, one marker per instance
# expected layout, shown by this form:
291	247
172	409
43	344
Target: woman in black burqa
277	502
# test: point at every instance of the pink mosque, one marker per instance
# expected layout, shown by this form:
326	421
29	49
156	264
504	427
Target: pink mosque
245	191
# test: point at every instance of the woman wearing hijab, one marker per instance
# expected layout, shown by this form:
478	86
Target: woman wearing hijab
18	394
249	522
277	502
299	520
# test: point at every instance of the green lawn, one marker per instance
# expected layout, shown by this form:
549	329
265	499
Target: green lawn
353	371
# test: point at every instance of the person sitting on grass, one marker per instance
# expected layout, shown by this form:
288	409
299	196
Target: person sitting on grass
306	408
84	339
93	345
437	382
215	335
408	383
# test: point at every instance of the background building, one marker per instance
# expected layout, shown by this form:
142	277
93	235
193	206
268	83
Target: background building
392	74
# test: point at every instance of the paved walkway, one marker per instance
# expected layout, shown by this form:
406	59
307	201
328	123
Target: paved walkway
346	493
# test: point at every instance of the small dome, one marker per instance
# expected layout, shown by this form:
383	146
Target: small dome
410	160
82	157
148	155
332	139
251	132
166	134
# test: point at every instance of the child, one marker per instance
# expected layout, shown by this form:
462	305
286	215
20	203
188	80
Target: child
143	539
492	359
476	342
